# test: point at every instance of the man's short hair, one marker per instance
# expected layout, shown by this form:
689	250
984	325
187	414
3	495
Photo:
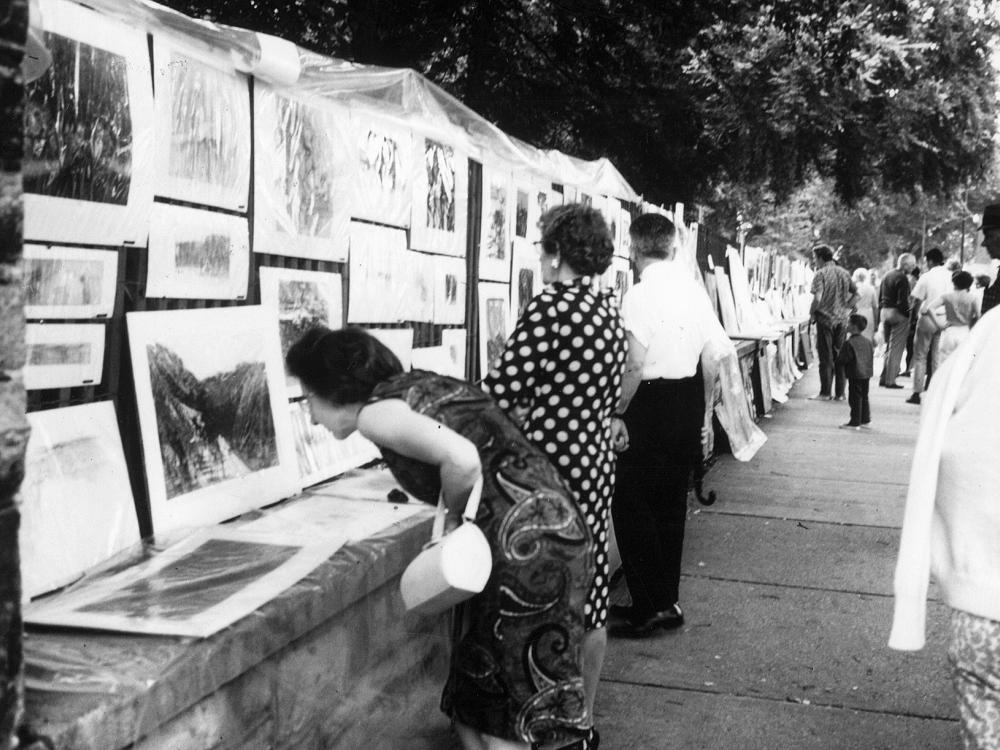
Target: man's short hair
859	321
823	253
935	256
652	236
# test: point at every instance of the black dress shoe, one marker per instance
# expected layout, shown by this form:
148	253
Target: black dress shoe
668	619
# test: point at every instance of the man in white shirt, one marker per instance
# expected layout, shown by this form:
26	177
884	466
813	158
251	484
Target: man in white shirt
666	393
933	282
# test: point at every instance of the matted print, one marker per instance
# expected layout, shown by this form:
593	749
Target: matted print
449	291
88	132
399	341
727	305
623	244
388	283
196	254
523	196
455	341
76	501
194	588
63	355
440	198
69	282
212	413
495	235
321	455
525	279
384	190
304	175
494	323
202	128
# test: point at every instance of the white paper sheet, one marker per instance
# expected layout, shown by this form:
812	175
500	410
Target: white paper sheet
385	154
69	282
63	355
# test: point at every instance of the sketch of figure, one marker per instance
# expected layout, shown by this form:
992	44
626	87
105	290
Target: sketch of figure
381	160
543	202
521	215
496	241
77	125
56	282
439	160
496	329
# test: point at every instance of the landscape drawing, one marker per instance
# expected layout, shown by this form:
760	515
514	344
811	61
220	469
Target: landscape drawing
88	132
384	191
63	355
211	412
62	282
203	116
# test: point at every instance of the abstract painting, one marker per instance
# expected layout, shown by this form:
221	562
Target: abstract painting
194	588
399	341
63	355
494	323
526	278
449	291
304	176
69	282
384	283
321	455
440	199
88	132
384	190
202	128
76	501
495	235
197	254
212	413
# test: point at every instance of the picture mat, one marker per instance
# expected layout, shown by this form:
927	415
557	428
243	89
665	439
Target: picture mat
76	501
69	282
399	341
49	218
318	516
63	355
207	236
218	173
321	455
494	323
208	342
385	154
424	236
497	226
450	294
157	597
302	207
382	275
455	341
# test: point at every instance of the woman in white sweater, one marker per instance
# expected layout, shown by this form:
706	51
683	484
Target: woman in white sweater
951	528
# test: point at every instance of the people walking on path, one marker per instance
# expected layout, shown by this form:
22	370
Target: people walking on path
894	301
867	304
991	241
960	311
666	395
933	283
951	529
834	296
857	357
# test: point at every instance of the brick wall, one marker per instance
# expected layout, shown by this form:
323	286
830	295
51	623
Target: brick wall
13	426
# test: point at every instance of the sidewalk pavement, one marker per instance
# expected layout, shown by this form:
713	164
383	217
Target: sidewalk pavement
787	596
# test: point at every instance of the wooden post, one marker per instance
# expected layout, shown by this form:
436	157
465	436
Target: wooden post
13	425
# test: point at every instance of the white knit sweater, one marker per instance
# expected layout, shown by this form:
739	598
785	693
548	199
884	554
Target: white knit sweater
951	527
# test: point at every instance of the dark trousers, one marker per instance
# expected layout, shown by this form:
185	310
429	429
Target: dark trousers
857	397
664	421
829	338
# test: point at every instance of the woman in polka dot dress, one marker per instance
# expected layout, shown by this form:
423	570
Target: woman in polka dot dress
560	379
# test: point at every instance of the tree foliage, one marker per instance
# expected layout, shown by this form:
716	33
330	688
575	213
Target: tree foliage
685	97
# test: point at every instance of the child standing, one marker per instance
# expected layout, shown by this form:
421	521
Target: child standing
856	356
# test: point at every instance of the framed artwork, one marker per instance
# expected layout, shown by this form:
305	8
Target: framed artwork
450	289
301	300
69	282
525	279
320	455
399	341
623	245
381	276
213	416
63	355
494	323
88	132
194	588
196	254
202	127
76	501
439	218
455	340
496	232
304	176
384	152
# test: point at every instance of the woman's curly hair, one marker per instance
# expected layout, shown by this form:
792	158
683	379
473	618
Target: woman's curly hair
579	235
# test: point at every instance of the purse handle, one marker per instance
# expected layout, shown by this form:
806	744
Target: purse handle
469	516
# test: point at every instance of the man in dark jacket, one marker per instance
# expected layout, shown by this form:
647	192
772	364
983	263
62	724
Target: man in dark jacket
894	301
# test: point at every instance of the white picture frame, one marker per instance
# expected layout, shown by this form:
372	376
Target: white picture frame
494	323
439	218
385	157
69	282
63	355
89	193
197	254
76	502
497	225
213	416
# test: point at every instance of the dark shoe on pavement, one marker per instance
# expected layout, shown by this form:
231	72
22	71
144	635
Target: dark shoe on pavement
850	426
841	397
668	619
906	374
821	397
914	399
893	385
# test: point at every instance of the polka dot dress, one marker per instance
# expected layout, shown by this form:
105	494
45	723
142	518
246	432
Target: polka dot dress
564	364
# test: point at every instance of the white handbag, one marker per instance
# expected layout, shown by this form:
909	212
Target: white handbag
453	567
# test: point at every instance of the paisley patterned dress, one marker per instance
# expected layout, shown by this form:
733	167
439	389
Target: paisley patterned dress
515	671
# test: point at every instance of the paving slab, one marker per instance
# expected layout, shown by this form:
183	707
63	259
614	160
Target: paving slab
645	718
